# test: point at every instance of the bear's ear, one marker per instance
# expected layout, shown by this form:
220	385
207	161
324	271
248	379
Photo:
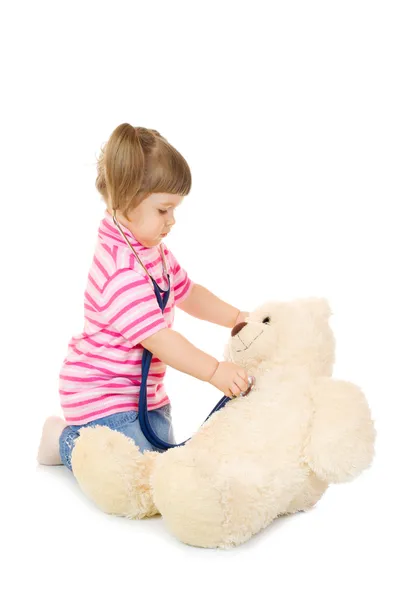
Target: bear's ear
320	307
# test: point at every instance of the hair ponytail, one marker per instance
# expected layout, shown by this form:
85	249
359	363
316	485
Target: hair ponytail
123	166
136	162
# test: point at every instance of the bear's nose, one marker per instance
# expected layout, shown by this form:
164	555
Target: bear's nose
237	328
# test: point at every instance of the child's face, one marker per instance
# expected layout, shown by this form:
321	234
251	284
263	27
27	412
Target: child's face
152	219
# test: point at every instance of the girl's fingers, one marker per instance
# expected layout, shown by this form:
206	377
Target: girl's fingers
234	389
243	384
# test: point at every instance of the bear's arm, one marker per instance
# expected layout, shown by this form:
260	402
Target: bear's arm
341	440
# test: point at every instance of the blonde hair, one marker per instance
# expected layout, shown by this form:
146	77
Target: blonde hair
136	162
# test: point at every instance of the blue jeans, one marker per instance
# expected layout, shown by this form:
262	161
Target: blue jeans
128	424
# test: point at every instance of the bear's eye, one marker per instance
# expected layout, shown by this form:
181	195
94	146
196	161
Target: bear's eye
266	320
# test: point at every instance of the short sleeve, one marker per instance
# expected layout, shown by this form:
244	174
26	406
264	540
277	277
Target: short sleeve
181	283
130	307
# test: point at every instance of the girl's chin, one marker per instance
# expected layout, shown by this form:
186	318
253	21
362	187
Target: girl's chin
154	242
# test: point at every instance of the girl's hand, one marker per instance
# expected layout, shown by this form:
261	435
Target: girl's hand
241	318
230	379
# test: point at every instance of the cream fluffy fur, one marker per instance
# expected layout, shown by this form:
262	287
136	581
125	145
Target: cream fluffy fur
271	453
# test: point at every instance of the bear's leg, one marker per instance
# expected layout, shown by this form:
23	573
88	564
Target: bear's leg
309	494
113	473
210	505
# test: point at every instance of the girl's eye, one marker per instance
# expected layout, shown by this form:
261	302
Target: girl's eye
162	212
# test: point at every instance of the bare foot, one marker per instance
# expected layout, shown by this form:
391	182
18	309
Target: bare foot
48	453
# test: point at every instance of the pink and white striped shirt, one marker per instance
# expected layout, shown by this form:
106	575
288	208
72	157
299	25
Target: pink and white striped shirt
101	373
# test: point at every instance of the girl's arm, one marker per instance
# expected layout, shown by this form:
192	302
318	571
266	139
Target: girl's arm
204	305
176	351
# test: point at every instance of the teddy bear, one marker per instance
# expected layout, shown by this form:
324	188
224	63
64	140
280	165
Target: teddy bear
273	452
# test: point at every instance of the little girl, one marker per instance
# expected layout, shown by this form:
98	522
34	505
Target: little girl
142	179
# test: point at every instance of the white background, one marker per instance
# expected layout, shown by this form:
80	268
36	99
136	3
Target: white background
288	115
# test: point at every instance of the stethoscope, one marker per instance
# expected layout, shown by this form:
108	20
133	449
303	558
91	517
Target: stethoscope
162	299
